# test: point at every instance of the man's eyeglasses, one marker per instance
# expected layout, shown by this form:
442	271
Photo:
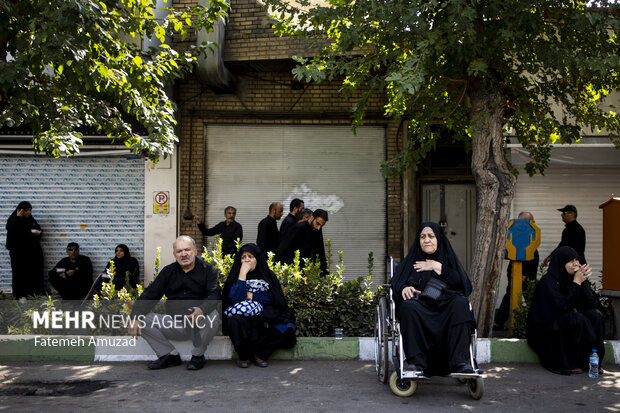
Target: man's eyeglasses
73	249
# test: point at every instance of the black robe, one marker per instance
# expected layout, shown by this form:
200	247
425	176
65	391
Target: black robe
122	266
436	333
268	237
259	335
287	223
26	255
308	241
564	324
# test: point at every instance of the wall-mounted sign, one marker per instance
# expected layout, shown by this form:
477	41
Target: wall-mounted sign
161	202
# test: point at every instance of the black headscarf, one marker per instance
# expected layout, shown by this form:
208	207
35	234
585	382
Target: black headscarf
19	234
557	266
444	254
556	293
122	265
281	313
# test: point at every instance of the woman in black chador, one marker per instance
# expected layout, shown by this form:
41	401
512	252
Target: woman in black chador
124	263
256	315
430	290
564	324
22	240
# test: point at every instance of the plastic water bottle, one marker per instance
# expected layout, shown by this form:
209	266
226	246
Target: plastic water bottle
593	373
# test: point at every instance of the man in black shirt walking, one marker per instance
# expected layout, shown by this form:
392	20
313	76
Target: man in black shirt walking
295	207
268	236
573	235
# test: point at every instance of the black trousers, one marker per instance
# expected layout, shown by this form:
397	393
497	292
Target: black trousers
253	336
27	269
67	289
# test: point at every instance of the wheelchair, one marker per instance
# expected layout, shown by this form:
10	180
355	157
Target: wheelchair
389	350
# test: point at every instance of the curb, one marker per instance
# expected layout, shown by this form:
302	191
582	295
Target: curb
125	348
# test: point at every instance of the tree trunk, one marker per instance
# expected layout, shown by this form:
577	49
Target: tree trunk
495	189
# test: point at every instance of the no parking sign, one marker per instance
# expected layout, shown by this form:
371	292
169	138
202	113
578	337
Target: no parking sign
161	202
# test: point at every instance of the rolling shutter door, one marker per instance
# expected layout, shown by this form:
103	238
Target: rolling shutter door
97	202
586	187
328	167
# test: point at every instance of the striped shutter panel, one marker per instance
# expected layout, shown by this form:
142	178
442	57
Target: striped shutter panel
328	167
586	187
97	202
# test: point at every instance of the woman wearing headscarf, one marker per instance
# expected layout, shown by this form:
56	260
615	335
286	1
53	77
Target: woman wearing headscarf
430	290
125	267
256	315
564	324
23	233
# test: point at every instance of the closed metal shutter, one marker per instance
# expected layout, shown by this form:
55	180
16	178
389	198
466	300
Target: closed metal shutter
584	177
97	202
328	167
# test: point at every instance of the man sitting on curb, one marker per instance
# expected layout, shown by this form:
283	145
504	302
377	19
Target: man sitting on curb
73	275
193	293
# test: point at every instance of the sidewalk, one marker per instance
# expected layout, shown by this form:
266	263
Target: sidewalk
290	386
121	348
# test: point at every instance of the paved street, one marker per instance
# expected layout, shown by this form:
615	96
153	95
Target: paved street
309	386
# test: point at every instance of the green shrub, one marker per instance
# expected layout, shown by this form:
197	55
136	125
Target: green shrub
321	303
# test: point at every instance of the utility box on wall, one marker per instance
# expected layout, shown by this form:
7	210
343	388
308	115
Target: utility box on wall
611	244
611	258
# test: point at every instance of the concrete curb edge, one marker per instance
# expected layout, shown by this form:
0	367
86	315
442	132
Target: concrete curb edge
122	349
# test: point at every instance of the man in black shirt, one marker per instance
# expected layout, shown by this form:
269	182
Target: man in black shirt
193	292
268	236
573	235
296	206
73	275
307	237
229	230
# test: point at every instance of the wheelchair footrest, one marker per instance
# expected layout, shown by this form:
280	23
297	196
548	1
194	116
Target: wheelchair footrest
473	375
409	374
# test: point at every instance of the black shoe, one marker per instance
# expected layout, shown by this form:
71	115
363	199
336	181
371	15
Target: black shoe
463	368
196	363
259	362
244	364
412	367
167	360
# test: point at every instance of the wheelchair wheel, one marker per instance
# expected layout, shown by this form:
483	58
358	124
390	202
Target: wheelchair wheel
402	388
382	362
476	388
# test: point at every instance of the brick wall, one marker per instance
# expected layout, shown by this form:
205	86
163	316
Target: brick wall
265	92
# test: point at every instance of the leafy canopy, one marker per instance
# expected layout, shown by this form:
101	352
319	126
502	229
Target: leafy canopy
555	61
74	65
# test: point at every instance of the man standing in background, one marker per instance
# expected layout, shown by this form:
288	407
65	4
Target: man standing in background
268	237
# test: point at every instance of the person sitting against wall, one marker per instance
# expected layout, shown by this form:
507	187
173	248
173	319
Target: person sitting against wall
564	324
73	275
126	268
256	315
430	290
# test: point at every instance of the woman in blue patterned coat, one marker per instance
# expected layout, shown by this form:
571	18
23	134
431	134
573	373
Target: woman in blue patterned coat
256	315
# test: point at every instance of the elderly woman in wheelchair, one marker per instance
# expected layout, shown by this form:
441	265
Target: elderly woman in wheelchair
434	320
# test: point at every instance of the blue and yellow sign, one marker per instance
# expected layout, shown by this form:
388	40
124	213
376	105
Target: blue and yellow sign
523	240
